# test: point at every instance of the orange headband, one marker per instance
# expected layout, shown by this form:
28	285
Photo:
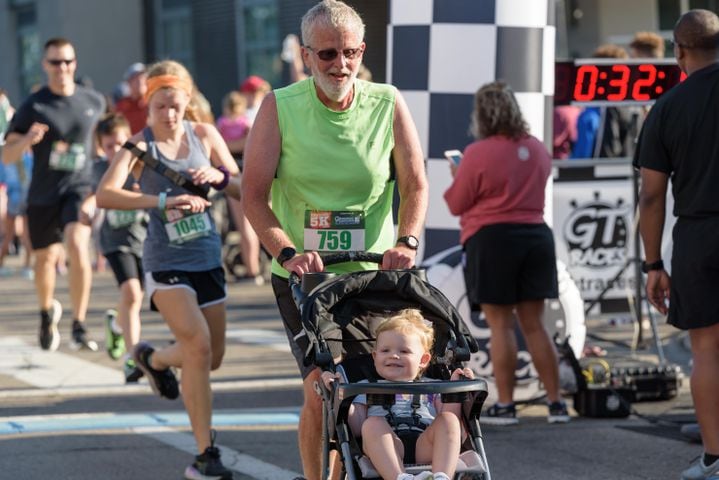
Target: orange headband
167	81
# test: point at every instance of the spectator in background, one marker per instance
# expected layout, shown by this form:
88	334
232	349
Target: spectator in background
565	130
606	132
234	126
647	45
679	141
133	106
254	89
510	268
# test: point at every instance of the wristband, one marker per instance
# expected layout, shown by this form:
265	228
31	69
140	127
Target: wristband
225	180
161	200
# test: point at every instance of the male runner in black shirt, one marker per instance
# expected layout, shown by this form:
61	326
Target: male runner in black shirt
57	122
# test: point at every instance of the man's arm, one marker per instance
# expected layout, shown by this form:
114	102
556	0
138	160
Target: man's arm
261	158
412	185
16	143
652	209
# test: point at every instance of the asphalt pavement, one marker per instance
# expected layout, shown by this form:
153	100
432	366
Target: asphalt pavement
68	415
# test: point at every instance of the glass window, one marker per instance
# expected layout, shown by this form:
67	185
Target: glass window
174	32
712	5
29	48
669	12
262	40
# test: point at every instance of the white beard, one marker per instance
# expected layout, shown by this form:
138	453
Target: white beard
333	91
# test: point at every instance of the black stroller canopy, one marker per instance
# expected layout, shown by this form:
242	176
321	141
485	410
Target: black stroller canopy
348	308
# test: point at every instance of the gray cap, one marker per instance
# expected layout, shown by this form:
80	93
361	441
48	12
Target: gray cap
133	70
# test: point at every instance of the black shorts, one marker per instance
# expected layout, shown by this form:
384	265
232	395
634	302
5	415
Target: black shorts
209	285
125	265
695	264
509	263
46	223
292	322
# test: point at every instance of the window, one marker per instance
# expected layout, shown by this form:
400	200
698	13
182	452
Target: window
29	48
174	32
261	39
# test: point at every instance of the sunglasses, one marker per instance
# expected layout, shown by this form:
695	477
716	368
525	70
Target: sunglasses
57	63
330	54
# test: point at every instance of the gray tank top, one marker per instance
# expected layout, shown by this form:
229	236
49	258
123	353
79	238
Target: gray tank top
177	240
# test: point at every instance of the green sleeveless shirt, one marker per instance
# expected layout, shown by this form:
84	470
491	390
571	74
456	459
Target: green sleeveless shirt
333	188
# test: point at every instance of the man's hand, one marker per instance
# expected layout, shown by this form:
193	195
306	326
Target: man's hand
304	263
36	133
398	257
658	286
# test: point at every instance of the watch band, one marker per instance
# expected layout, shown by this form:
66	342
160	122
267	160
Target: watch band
285	254
648	267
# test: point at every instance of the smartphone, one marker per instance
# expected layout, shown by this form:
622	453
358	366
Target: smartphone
454	156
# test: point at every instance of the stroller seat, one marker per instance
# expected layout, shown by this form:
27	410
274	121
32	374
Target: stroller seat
469	463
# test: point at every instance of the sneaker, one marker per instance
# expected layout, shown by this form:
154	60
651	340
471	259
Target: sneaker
49	334
114	342
500	415
79	338
162	382
132	371
208	466
699	471
27	273
558	412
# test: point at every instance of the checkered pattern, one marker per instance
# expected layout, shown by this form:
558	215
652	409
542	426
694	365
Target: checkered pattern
439	52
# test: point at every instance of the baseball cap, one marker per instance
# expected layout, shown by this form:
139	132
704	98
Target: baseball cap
252	84
133	70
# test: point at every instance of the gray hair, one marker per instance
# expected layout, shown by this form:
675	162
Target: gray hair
331	13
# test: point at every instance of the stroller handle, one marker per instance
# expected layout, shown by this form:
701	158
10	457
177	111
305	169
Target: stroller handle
295	280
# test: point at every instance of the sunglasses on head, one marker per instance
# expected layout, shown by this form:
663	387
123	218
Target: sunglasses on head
331	53
57	62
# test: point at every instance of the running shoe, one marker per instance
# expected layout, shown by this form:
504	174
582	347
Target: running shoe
49	334
79	339
208	466
699	471
558	412
114	342
132	371
501	415
162	382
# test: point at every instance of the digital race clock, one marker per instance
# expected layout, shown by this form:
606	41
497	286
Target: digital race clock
603	81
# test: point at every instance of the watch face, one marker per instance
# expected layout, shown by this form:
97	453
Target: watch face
410	241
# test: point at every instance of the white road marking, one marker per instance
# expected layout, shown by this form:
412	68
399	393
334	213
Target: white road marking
239	462
49	370
57	373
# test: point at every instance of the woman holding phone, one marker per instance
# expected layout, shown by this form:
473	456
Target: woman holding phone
498	193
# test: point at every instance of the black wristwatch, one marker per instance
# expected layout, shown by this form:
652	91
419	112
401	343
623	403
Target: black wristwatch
285	254
648	267
410	241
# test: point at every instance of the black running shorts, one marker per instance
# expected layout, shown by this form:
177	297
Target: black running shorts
695	263
209	285
509	263
46	223
125	265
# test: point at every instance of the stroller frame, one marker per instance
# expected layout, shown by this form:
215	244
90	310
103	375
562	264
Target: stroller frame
336	435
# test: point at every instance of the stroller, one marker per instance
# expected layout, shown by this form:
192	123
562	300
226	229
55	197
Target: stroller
339	316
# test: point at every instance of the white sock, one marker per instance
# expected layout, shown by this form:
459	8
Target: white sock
405	476
440	476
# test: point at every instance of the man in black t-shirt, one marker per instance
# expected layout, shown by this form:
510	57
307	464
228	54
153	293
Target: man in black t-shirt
680	138
57	122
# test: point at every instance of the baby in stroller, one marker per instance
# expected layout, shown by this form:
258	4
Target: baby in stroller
402	353
340	320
